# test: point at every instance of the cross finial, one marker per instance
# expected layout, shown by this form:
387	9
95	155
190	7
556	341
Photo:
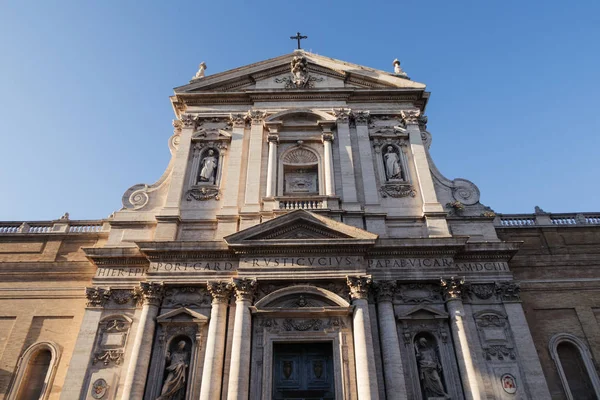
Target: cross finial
298	37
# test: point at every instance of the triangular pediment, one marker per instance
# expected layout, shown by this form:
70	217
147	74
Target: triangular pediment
424	312
181	314
299	227
325	72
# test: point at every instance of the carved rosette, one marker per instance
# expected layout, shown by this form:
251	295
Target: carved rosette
238	120
508	291
385	290
256	116
410	117
359	286
342	114
452	288
361	117
220	291
244	288
152	293
96	296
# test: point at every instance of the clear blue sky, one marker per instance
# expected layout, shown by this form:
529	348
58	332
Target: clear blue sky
84	87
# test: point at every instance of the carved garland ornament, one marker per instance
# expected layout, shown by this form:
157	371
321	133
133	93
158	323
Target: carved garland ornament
397	191
203	194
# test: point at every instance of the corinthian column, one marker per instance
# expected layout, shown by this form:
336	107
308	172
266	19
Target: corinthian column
452	289
327	138
239	372
364	357
212	374
272	161
393	372
137	371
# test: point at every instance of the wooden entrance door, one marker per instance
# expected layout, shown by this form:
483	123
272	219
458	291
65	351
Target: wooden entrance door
303	371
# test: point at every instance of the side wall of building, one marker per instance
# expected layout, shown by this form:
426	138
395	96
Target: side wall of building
42	302
558	268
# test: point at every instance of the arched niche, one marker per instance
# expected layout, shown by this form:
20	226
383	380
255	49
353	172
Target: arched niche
35	372
575	367
300	172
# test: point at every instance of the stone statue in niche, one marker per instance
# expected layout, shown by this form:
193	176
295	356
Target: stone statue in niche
175	382
393	170
208	167
429	370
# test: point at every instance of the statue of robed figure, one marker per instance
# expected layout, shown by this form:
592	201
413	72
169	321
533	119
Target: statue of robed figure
392	164
209	166
174	385
429	370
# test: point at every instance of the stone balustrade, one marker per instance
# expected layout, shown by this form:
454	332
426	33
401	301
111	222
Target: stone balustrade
51	227
546	219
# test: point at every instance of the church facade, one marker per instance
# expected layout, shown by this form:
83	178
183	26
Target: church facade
301	244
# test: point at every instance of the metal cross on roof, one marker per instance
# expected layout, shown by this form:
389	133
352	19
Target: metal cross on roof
298	37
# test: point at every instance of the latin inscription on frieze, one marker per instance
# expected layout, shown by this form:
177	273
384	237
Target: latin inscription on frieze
302	262
412	263
482	266
193	266
120	272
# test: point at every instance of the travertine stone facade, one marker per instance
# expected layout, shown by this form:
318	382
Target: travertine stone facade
300	244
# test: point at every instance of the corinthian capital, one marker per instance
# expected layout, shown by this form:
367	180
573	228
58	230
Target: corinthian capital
385	290
220	291
238	120
96	296
244	288
188	121
452	288
256	116
359	286
410	117
361	117
152	292
342	114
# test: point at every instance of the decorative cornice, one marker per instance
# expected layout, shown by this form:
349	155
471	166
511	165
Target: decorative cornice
385	290
152	293
244	288
452	288
96	296
359	286
220	291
